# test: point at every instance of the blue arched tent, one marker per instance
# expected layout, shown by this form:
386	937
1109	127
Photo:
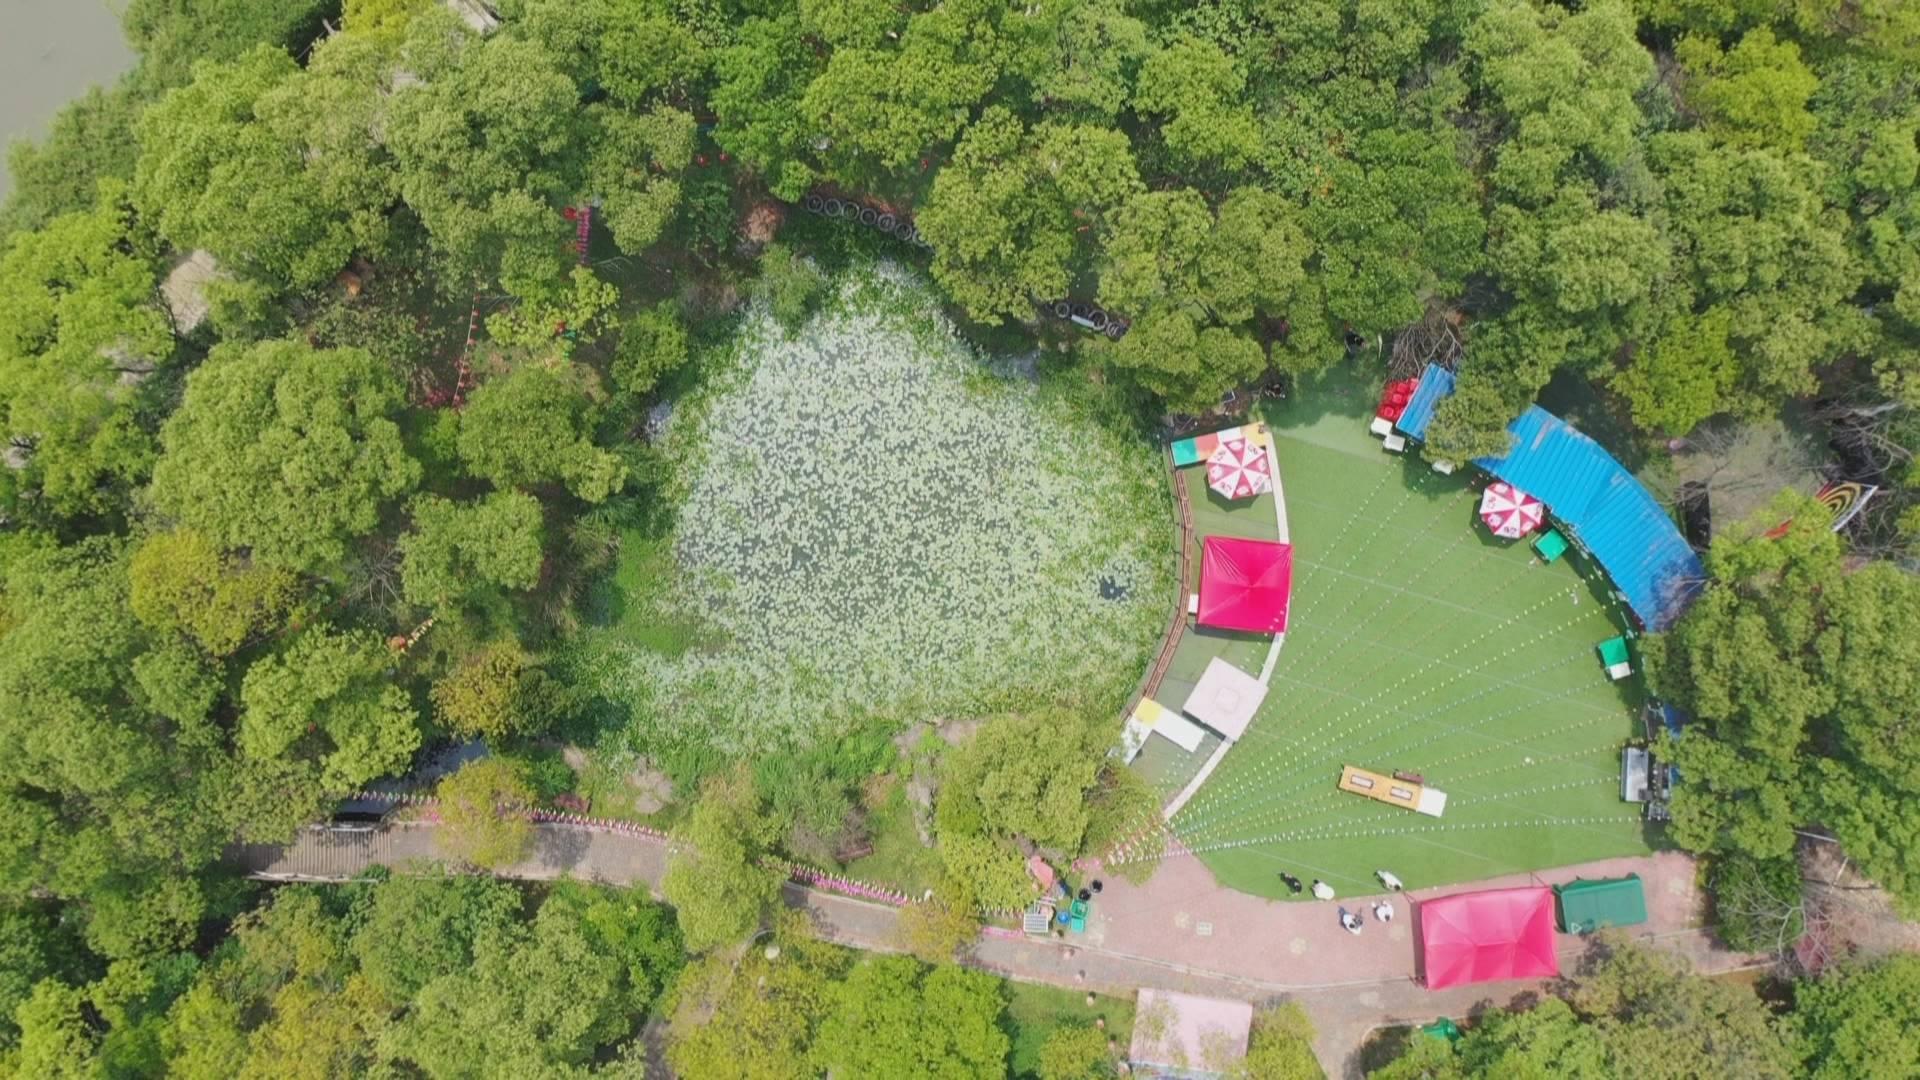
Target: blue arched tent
1609	512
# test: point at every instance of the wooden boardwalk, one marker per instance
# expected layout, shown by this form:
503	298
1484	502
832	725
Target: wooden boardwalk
1170	644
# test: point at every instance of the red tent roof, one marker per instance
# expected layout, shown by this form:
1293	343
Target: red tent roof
1244	584
1481	936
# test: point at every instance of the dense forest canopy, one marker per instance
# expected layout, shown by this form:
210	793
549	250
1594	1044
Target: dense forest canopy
270	530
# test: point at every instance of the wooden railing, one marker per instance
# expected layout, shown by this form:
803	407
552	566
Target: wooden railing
1177	625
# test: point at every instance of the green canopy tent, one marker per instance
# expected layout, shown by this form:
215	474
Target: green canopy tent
1586	906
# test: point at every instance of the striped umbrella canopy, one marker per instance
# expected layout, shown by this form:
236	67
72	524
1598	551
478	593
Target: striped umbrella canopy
1239	469
1510	512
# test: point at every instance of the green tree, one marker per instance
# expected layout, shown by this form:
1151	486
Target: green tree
173	35
483	812
1398	226
1800	672
455	550
1002	216
790	283
488	145
79	328
543	999
274	169
28	954
325	702
1754	94
716	882
1859	1021
761	80
1090	58
182	583
876	108
284	450
1024	776
1472	423
754	1017
1281	1045
534	426
1187	365
985	868
1200	92
894	1019
936	929
653	343
384	20
418	929
56	1041
557	320
1077	1052
90	140
495	691
1658	1019
105	798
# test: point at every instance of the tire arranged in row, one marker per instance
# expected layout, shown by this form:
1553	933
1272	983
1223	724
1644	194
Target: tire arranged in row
1088	317
884	220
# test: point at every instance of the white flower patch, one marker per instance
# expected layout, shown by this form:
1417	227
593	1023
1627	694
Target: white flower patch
876	526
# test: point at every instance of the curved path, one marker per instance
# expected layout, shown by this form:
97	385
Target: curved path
1180	930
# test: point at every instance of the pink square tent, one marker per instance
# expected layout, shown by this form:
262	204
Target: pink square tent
1483	936
1244	584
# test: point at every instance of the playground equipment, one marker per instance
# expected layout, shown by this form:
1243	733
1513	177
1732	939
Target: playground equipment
1406	795
582	219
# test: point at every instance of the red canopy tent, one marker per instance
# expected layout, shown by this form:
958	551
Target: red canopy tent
1482	936
1244	584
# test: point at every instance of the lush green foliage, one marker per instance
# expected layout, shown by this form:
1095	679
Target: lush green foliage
434	976
236	565
1627	1012
483	810
1800	673
717	881
284	450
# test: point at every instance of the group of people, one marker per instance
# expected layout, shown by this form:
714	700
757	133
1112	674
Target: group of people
1351	922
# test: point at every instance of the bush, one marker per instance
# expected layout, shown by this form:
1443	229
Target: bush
789	283
652	344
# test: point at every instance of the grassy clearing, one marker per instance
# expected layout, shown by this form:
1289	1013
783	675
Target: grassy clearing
1417	642
876	522
899	858
1034	1012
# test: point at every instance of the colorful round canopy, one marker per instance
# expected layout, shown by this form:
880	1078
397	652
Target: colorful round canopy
1239	468
1510	512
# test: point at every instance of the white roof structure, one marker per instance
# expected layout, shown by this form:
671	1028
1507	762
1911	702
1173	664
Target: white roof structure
1225	698
1184	1035
1149	717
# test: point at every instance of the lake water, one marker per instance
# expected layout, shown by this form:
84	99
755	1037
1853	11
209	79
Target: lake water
50	52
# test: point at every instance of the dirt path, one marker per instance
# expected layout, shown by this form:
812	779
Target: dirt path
1178	931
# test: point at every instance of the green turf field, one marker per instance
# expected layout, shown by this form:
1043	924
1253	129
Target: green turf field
1418	642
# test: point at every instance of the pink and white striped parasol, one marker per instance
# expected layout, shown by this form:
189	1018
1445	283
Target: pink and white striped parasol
1239	468
1510	512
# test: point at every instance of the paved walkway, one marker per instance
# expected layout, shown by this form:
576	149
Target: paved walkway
1178	931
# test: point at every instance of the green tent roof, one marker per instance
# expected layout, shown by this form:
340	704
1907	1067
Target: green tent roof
1586	906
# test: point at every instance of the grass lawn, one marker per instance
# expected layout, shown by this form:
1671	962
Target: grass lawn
899	858
1416	642
1036	1011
